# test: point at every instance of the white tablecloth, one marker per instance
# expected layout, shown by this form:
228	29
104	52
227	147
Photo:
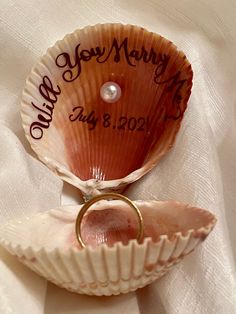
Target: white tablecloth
199	170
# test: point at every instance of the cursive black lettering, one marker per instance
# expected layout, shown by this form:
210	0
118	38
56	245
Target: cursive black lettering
50	94
42	110
36	130
63	60
115	46
177	84
79	115
119	51
162	62
47	91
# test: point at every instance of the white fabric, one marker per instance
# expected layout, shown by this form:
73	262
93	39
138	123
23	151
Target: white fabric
200	169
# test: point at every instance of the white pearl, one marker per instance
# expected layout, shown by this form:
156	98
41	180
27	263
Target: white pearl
110	92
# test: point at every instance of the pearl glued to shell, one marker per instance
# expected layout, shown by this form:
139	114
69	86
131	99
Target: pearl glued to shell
110	92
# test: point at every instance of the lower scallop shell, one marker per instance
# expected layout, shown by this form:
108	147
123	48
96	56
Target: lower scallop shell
46	243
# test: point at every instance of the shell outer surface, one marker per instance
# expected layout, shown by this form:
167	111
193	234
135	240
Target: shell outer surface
104	270
92	144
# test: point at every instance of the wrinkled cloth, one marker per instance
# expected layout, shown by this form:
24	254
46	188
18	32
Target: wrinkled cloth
200	169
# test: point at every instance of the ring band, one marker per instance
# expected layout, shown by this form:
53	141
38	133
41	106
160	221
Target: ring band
105	197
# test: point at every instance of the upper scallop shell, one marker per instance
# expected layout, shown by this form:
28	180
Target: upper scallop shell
118	143
47	244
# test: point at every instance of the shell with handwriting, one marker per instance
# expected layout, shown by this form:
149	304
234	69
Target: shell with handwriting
93	144
112	261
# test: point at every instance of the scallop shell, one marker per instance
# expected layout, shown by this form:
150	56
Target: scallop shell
95	145
46	243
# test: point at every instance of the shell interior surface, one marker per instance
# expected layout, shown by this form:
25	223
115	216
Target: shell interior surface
112	261
74	127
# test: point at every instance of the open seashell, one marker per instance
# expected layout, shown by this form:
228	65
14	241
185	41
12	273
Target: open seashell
46	242
101	137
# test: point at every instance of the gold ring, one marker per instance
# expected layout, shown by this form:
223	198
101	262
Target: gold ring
105	197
